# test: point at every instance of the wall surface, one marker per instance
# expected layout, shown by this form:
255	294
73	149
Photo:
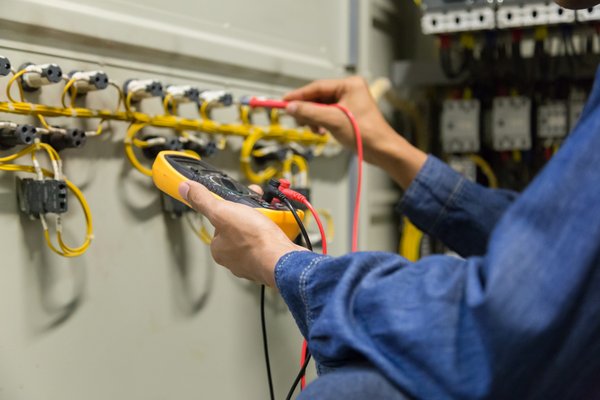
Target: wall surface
146	314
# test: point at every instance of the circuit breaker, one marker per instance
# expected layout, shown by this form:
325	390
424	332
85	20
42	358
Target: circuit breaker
460	126
511	123
552	120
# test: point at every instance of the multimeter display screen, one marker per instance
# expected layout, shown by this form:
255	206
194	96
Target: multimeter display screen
217	182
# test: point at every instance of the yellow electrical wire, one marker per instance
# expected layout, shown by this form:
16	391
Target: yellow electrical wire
300	178
12	80
127	103
66	250
246	159
169	101
201	232
410	242
130	141
486	169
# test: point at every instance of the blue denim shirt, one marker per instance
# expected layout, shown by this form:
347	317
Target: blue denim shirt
517	318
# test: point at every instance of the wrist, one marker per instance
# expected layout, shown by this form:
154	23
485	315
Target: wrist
271	257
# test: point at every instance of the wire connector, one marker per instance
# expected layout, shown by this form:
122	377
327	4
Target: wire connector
88	81
12	134
5	66
183	93
216	98
70	138
140	89
38	75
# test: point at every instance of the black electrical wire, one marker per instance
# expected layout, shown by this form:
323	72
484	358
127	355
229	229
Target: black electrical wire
263	323
298	221
301	373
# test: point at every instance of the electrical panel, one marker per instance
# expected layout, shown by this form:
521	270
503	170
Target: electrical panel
511	123
460	126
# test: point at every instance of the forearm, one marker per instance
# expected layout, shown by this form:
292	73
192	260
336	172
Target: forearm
397	157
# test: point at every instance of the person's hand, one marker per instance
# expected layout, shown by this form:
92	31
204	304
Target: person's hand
382	145
245	241
352	93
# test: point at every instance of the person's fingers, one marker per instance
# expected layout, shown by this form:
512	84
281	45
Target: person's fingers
316	115
201	200
325	90
257	189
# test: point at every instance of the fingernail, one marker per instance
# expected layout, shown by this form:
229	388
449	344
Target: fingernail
184	188
292	107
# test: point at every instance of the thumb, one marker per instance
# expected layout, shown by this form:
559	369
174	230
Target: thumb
316	114
201	199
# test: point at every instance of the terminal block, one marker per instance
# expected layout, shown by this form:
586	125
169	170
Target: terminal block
448	16
528	13
89	81
511	123
216	98
142	89
183	93
4	66
552	120
12	134
38	75
70	138
589	14
38	197
460	126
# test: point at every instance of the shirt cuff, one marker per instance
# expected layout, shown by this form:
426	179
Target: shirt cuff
292	273
427	199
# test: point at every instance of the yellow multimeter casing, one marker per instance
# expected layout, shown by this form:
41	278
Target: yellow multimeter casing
170	168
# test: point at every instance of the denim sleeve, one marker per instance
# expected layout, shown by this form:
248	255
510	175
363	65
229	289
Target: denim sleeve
446	205
522	322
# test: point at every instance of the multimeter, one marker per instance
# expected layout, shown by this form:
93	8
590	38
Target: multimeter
170	168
